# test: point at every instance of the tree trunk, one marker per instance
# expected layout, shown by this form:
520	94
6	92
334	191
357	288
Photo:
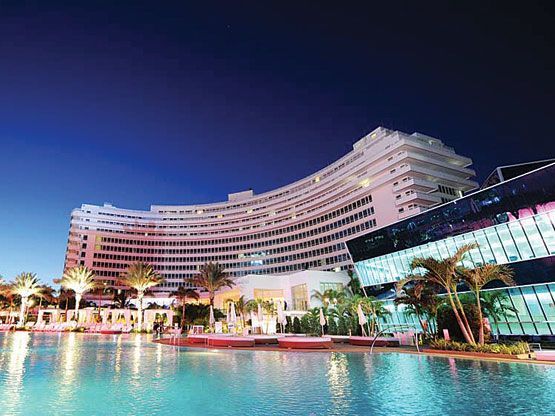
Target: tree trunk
22	311
481	317
77	301
496	322
212	299
140	310
183	316
67	306
465	320
458	317
419	317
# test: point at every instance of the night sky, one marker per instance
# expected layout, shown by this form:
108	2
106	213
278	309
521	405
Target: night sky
166	103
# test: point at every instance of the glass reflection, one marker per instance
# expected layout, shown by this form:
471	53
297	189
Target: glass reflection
499	244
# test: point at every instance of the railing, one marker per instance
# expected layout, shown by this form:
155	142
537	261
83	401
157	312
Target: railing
391	327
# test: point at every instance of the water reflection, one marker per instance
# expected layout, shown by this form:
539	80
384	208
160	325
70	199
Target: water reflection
339	382
81	374
13	386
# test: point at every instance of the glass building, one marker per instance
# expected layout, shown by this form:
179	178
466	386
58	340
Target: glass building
513	222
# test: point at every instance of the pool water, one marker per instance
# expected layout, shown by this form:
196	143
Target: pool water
81	374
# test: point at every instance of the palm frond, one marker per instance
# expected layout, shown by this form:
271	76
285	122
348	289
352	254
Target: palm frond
79	279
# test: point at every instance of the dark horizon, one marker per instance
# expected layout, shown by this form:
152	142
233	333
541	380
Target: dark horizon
137	104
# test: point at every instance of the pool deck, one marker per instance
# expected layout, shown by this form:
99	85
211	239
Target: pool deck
347	348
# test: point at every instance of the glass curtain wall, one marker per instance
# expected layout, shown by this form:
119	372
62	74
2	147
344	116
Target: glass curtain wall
534	305
521	239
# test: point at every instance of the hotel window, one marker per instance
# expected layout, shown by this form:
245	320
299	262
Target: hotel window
267	294
299	296
329	285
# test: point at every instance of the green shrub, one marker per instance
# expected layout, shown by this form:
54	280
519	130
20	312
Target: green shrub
446	320
354	326
332	326
342	326
288	325
199	314
310	324
297	325
509	349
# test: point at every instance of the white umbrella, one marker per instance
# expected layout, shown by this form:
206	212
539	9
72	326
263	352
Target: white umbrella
232	314
322	320
361	319
260	316
282	319
227	317
211	320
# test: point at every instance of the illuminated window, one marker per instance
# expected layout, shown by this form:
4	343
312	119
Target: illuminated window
299	296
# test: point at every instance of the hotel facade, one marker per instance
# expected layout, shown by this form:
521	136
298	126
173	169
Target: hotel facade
513	223
388	176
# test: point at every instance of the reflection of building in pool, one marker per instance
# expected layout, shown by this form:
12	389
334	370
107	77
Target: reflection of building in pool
513	222
388	175
295	289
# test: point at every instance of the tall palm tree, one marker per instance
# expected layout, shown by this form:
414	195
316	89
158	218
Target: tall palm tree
25	285
80	280
141	277
445	274
477	278
182	294
212	278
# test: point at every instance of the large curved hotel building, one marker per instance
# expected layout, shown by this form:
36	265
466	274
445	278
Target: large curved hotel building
389	175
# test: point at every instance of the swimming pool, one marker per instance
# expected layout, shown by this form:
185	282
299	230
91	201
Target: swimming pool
80	374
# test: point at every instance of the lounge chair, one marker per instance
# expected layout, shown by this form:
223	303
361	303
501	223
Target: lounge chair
175	334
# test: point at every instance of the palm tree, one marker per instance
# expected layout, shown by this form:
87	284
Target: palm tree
354	285
141	277
445	274
7	299
251	305
212	278
422	301
47	294
64	295
496	304
25	285
330	296
240	308
477	278
182	294
80	280
376	310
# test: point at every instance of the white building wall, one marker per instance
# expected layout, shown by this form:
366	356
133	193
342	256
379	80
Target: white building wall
387	176
247	286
